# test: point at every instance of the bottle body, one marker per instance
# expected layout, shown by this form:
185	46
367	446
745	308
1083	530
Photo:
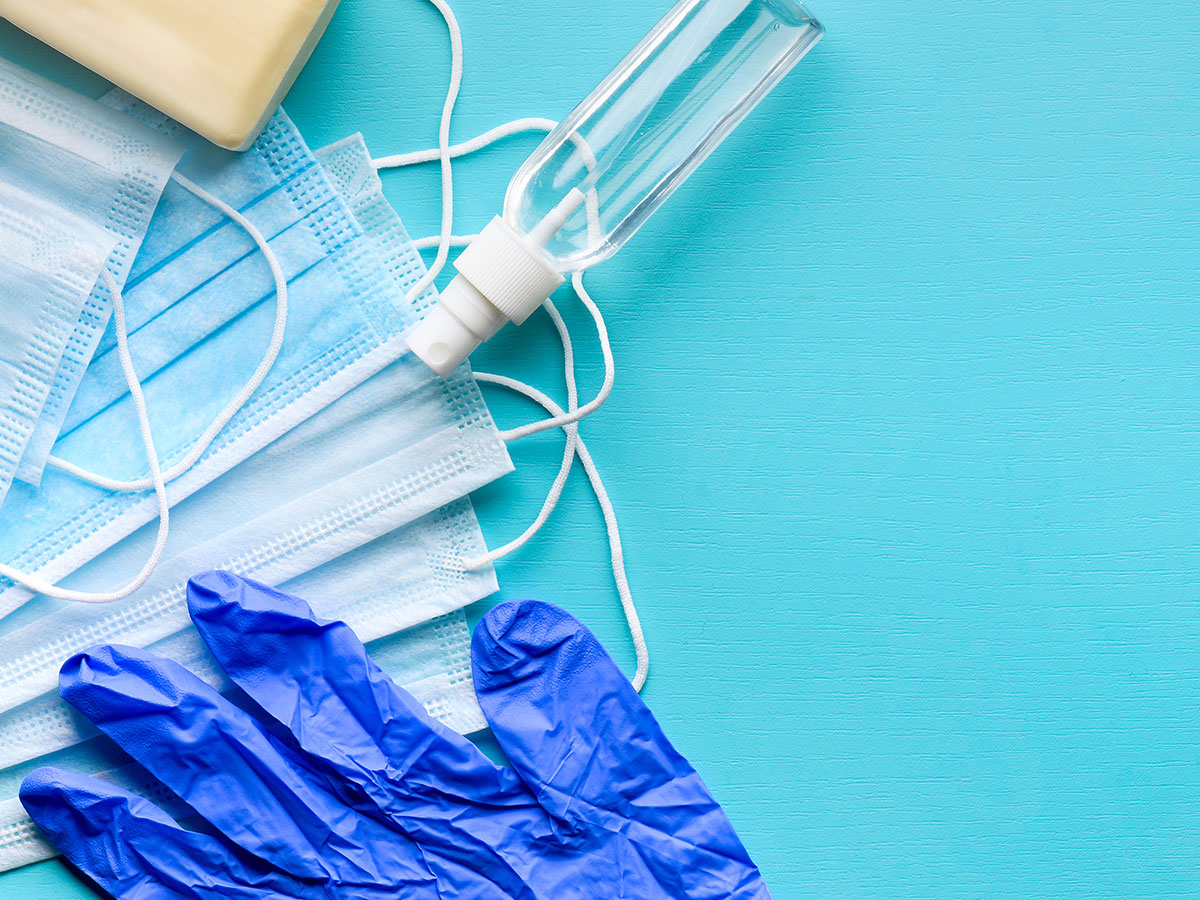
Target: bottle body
614	160
654	119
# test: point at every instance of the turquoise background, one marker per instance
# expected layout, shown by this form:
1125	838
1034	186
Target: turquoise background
905	442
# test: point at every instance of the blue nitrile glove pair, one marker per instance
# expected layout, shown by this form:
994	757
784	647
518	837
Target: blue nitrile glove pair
354	793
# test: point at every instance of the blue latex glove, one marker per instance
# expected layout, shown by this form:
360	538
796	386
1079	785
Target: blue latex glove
348	789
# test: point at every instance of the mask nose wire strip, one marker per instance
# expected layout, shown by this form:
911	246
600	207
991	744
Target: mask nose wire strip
156	477
248	389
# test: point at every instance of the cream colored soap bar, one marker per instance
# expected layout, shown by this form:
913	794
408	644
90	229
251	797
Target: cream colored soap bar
221	67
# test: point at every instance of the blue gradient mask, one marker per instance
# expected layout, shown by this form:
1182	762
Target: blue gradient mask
78	184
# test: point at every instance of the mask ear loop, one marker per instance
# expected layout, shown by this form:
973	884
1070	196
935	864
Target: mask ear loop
566	419
443	151
576	446
158	479
570	425
569	451
243	396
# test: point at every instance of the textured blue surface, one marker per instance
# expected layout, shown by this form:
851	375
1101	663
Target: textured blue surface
906	440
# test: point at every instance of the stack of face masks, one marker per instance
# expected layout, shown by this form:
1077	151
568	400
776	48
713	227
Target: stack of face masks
78	185
341	477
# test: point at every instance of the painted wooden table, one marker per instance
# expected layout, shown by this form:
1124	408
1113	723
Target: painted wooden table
906	440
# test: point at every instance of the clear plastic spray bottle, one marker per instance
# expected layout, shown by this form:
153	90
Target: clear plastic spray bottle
614	160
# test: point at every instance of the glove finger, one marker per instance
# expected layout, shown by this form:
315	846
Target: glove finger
257	792
583	740
134	850
317	679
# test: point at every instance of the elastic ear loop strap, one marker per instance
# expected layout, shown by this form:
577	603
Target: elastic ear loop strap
443	150
576	446
567	420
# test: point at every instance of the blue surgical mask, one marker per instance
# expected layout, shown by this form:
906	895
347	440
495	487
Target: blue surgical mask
78	185
345	322
198	271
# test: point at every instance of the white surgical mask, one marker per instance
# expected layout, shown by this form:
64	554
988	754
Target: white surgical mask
397	583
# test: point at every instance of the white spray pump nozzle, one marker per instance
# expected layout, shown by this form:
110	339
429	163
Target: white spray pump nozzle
503	276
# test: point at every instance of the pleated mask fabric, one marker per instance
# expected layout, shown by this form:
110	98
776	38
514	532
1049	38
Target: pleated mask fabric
345	323
399	581
402	445
79	182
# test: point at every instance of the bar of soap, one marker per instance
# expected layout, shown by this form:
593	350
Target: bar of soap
220	67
